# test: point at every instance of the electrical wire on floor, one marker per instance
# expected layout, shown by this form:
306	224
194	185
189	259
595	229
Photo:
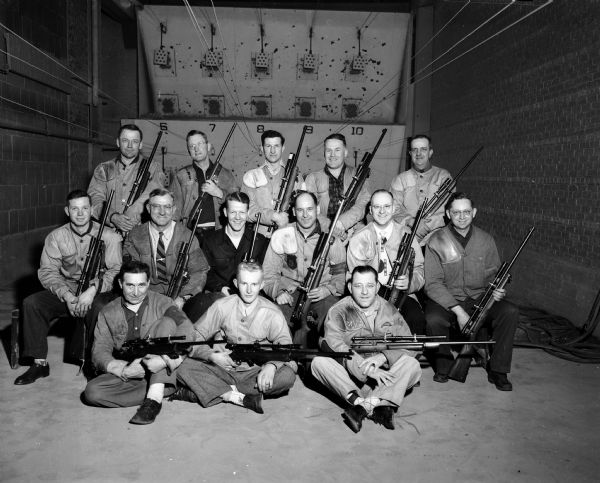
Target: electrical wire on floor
558	336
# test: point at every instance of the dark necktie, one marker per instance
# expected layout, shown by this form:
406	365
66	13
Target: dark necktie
161	259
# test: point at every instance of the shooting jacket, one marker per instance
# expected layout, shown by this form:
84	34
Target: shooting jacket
346	320
64	254
263	188
223	257
409	189
185	191
114	175
363	249
111	329
288	257
454	273
318	183
138	246
227	320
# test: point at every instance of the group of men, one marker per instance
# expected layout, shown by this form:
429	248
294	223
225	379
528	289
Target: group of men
244	279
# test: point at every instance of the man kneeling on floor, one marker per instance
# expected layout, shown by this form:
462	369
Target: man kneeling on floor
383	376
138	313
210	376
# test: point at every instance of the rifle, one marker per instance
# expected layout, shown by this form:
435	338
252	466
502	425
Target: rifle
214	174
142	177
92	268
443	192
248	256
172	346
257	353
362	173
405	255
413	342
317	267
286	188
460	366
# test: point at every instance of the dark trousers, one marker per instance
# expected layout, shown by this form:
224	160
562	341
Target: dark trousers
210	381
307	335
502	321
414	316
41	308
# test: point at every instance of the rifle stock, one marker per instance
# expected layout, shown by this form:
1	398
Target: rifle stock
249	256
460	367
262	353
169	346
142	177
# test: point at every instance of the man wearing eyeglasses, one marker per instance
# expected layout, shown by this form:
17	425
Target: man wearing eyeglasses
421	181
119	174
194	180
157	243
460	262
377	245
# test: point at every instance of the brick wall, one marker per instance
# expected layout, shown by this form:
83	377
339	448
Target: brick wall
531	96
51	136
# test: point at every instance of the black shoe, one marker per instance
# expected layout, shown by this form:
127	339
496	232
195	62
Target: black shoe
384	415
184	394
253	402
438	377
354	416
147	412
500	380
32	374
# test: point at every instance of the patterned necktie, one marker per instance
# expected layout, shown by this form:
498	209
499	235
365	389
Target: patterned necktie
161	259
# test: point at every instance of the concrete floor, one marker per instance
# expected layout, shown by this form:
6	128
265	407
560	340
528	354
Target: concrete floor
546	430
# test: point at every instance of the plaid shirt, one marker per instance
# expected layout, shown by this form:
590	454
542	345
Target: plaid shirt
336	191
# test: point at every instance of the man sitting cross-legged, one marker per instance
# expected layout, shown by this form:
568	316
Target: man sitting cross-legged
373	384
209	376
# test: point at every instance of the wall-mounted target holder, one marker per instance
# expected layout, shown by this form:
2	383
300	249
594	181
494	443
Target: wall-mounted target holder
307	67
213	63
262	65
162	57
350	108
261	106
354	70
305	107
214	106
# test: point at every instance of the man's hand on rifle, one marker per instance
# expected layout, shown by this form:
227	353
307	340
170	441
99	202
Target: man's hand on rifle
179	302
84	302
212	189
264	381
284	298
281	219
226	291
71	302
498	294
222	359
401	283
122	222
135	370
461	316
339	231
318	293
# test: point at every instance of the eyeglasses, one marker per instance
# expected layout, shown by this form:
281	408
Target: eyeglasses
158	207
465	213
419	150
382	207
197	145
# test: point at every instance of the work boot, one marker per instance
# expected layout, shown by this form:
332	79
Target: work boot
439	377
500	380
253	402
354	416
147	412
35	372
384	415
184	394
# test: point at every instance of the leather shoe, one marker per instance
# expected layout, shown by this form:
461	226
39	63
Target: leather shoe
438	377
384	415
253	402
184	394
32	374
500	380
147	412
354	416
